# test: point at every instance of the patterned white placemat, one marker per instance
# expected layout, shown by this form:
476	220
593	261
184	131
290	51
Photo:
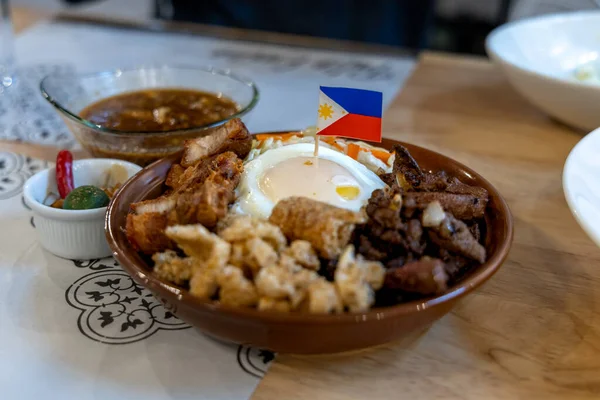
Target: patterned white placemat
288	78
85	330
24	114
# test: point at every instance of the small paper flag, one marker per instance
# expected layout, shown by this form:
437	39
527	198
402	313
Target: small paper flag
351	113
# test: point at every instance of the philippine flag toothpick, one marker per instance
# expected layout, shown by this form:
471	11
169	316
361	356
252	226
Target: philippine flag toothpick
351	113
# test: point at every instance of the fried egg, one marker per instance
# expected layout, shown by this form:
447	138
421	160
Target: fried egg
293	170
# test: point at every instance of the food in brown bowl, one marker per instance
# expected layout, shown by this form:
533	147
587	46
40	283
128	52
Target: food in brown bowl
236	240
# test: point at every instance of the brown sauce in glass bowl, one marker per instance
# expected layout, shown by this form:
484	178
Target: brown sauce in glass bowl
159	110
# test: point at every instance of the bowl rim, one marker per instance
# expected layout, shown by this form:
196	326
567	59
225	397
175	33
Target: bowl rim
70	215
592	232
474	280
502	29
119	71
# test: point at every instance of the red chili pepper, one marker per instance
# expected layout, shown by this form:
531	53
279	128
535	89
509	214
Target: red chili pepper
64	173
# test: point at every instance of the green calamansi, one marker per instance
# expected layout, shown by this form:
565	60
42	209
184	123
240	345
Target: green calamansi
86	198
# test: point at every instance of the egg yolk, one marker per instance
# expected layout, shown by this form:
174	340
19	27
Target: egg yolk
311	177
347	192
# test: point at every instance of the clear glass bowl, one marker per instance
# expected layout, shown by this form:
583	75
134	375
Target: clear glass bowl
70	94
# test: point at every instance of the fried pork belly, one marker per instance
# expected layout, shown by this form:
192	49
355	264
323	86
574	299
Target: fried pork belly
205	206
146	224
159	205
224	168
231	136
207	202
204	200
181	179
174	176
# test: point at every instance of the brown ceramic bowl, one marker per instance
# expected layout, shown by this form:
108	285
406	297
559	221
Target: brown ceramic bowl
301	333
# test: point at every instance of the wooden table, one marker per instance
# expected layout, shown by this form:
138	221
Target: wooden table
533	331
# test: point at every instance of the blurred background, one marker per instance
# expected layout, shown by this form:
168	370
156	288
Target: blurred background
449	25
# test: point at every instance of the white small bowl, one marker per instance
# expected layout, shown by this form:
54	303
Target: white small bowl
74	234
539	57
581	184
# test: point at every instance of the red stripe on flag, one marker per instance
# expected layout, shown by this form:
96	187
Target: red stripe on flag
356	127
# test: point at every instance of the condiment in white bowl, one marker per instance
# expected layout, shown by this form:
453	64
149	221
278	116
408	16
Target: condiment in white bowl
74	234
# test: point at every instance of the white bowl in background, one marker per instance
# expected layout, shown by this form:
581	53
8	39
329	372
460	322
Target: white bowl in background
581	184
74	234
539	57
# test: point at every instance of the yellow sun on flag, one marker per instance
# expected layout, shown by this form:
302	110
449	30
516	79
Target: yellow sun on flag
325	111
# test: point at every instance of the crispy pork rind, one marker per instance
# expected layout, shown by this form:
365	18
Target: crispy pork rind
356	279
238	228
259	254
170	267
198	242
322	298
303	253
327	228
285	280
298	287
269	304
235	289
275	282
237	258
204	282
290	263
